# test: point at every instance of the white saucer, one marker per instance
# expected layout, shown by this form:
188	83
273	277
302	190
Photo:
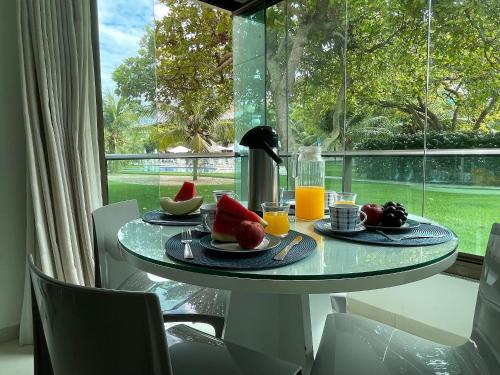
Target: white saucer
328	226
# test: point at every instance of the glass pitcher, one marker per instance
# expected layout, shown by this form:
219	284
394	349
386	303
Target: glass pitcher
309	173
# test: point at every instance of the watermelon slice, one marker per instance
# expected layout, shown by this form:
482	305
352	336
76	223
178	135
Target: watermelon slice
235	208
187	192
230	213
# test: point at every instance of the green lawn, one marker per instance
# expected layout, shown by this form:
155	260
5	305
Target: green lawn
147	195
468	212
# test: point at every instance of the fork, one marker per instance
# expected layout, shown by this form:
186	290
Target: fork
408	236
186	240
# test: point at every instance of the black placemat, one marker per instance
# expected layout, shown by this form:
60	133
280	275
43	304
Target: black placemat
256	261
374	238
158	217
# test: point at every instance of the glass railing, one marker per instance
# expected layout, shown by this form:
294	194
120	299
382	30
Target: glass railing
148	177
460	188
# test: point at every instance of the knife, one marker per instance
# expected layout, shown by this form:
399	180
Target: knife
282	254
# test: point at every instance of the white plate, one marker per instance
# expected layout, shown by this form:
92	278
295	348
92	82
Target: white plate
269	242
161	210
410	224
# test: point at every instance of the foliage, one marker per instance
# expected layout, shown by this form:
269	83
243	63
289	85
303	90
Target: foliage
119	115
384	45
193	128
477	170
135	76
435	140
190	55
194	56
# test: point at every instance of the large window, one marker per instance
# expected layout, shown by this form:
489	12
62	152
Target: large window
167	98
402	95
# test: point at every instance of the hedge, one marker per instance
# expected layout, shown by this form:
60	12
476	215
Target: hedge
463	170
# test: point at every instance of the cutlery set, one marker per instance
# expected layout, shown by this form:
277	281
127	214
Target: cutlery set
186	239
408	236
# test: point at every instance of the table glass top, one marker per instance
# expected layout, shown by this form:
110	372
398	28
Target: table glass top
333	258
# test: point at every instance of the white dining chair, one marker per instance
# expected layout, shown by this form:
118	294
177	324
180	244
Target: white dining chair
355	345
179	302
93	331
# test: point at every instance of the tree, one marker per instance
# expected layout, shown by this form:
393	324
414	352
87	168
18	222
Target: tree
384	45
135	76
190	54
192	127
194	56
119	115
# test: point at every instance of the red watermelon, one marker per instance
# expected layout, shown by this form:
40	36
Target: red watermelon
187	192
230	213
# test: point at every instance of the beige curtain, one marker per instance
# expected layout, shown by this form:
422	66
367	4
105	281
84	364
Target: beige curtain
59	99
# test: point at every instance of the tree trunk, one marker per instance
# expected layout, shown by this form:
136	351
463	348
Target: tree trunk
485	111
195	169
282	80
454	120
285	134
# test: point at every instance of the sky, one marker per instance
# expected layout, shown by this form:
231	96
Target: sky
121	26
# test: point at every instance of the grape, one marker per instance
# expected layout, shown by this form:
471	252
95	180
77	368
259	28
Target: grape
390	210
394	215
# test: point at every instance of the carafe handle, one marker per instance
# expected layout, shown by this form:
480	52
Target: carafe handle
295	165
271	153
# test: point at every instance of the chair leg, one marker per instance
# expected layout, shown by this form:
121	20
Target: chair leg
42	363
215	321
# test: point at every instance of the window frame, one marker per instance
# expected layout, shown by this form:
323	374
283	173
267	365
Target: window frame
466	265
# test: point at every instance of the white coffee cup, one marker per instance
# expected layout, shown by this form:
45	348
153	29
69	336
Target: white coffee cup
346	217
207	212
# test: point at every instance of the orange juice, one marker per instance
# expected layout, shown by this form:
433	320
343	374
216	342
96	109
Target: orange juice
277	223
344	202
309	202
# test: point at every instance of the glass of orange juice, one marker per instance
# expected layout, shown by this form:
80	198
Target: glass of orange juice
345	198
309	202
276	215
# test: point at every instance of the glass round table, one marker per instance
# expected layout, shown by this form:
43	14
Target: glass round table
281	311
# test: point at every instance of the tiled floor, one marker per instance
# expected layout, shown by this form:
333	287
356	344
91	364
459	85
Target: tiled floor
15	359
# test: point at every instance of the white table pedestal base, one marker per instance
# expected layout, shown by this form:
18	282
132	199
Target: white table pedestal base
286	326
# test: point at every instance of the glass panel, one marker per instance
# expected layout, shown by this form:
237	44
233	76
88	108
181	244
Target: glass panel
127	57
386	65
138	179
187	49
249	85
465	84
463	193
381	179
127	49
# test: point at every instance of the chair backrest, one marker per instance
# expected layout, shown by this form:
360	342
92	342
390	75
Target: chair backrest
98	331
111	269
486	326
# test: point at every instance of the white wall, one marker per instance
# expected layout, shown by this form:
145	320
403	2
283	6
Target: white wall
12	175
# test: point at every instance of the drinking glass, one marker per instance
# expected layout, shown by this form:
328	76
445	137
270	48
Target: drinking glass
218	194
345	198
276	215
207	212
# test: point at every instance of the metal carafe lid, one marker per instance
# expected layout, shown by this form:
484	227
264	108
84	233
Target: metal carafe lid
262	137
